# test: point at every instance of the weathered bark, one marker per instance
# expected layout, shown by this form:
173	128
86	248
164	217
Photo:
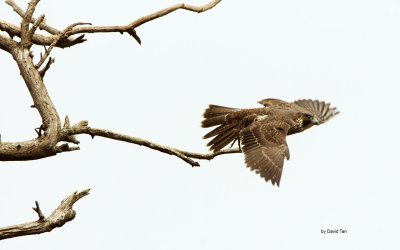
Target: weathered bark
61	215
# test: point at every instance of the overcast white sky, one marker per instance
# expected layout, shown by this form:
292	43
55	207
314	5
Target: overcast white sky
342	175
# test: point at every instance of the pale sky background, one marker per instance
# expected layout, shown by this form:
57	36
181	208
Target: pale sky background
344	174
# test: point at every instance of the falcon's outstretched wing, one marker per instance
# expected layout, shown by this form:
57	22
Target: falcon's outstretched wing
265	148
319	109
272	102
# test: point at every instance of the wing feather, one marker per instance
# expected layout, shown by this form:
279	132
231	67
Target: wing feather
265	148
321	110
272	102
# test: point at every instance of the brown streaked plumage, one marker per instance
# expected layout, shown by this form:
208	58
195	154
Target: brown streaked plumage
262	131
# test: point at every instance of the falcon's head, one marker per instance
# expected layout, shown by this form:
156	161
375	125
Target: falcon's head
309	120
321	111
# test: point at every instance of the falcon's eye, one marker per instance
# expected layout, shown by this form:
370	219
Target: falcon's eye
309	117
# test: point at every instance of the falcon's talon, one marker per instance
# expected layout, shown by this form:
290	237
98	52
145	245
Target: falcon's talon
233	143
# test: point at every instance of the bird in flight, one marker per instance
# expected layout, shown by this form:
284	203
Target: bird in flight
262	131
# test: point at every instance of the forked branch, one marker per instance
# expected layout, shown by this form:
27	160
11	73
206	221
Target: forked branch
69	41
52	137
130	28
60	36
61	215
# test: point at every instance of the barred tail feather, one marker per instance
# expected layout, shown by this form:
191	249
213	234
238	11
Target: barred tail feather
213	121
215	110
221	140
219	130
215	115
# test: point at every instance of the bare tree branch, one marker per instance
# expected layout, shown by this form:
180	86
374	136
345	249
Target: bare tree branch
173	8
211	155
184	155
52	138
35	26
6	44
45	145
21	13
39	39
67	135
61	215
25	36
43	71
130	27
38	211
57	38
51	133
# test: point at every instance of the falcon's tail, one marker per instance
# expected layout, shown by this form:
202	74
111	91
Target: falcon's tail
224	133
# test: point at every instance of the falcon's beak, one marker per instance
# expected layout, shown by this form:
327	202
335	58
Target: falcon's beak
315	121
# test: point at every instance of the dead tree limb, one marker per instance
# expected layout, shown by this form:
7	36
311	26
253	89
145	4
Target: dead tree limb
70	41
21	13
187	156
61	215
130	28
52	137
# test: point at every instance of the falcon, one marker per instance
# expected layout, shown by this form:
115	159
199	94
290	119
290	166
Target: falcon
262	132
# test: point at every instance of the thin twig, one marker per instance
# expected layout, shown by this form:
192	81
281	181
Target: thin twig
57	38
130	27
37	38
38	211
173	8
138	141
43	71
26	20
210	155
21	13
83	128
35	26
